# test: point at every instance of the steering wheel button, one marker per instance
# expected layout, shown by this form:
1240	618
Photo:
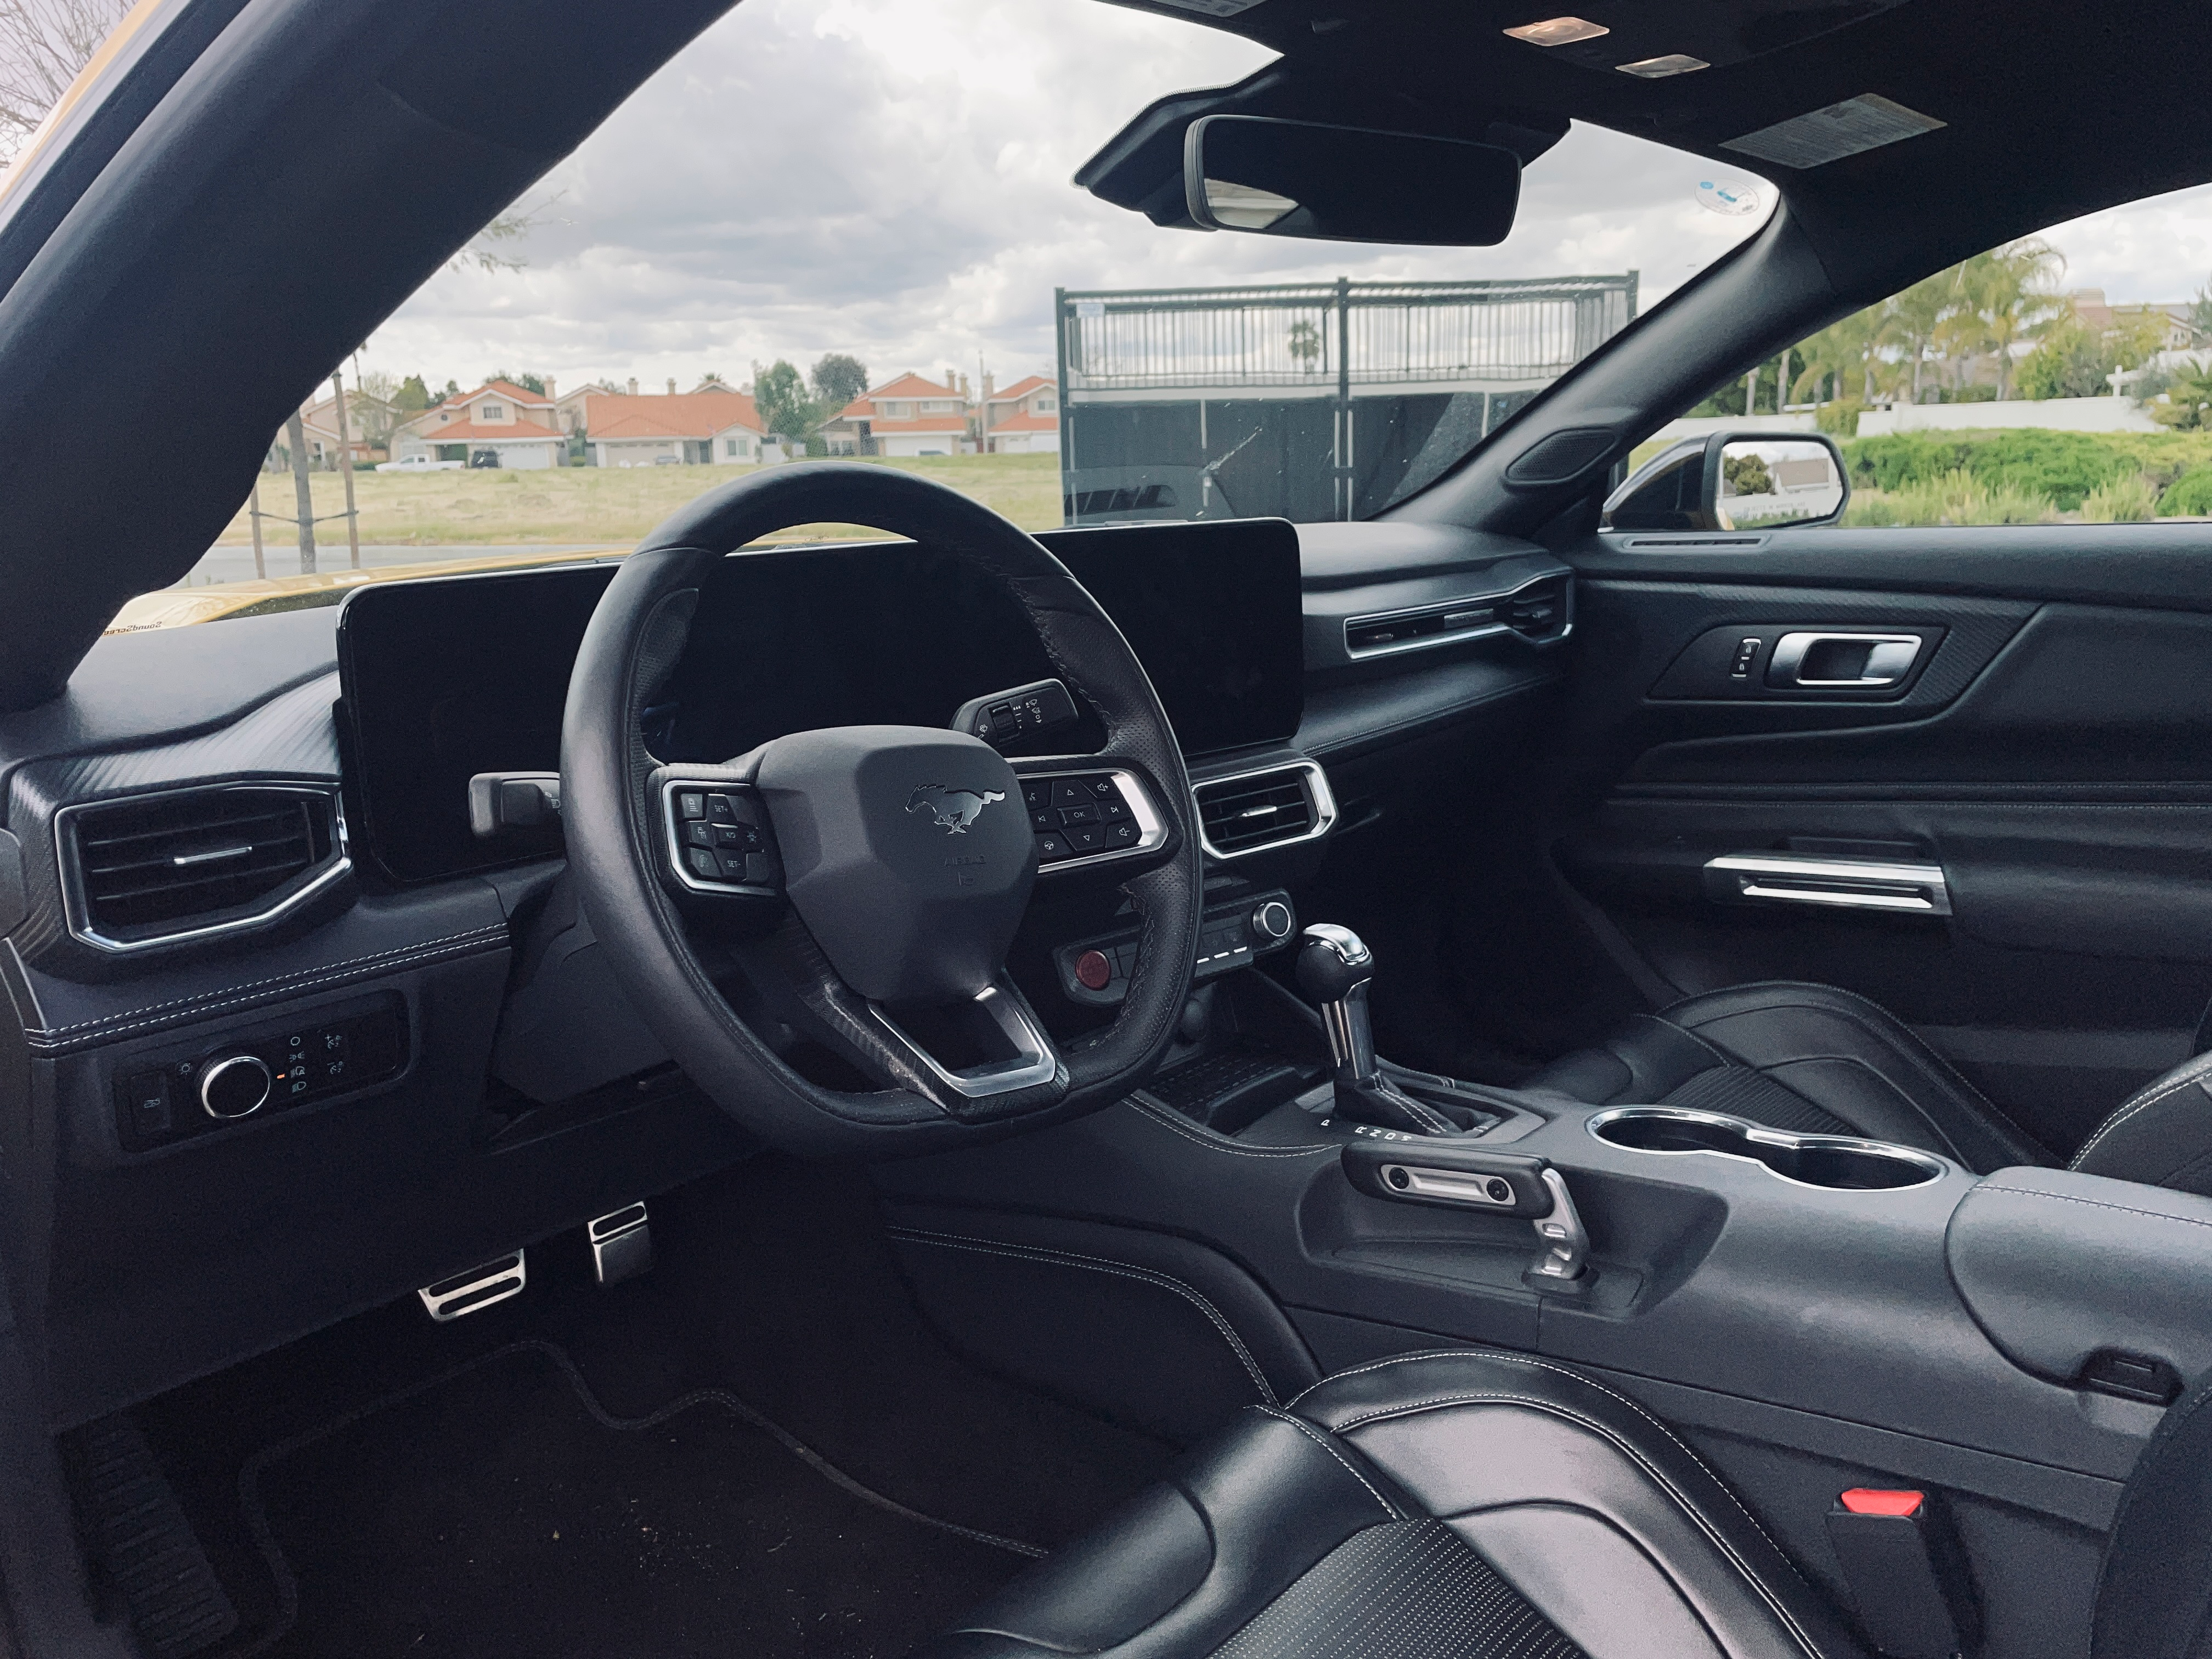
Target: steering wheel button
1113	812
721	809
1052	846
1069	792
757	872
1036	795
1103	789
703	864
1086	837
1093	972
1046	820
698	835
1073	815
1121	835
691	804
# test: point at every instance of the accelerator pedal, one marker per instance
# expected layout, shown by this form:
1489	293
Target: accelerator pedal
143	1544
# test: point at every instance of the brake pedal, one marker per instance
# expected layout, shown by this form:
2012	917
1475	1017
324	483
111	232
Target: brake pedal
477	1289
622	1244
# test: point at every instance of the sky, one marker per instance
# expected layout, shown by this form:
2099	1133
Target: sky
891	180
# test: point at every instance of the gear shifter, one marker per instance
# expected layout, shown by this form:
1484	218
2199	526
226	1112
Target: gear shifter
1334	967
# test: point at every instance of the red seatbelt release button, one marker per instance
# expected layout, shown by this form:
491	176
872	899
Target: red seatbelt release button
1873	1500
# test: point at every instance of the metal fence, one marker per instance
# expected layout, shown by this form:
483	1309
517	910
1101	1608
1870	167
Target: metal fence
1397	364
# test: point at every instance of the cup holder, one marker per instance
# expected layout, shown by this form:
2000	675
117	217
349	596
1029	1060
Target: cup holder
1834	1162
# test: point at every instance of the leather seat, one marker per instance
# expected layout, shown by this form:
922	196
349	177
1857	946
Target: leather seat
1819	1061
1476	1504
1463	1505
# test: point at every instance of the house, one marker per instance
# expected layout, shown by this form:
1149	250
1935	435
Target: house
2179	328
710	425
365	417
907	416
516	426
1023	420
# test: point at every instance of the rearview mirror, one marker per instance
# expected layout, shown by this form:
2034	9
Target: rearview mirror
1734	481
1274	177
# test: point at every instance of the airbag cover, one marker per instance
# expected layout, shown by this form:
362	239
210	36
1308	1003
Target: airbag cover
907	851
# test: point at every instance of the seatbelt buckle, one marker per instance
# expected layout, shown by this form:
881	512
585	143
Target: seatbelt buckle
1907	1574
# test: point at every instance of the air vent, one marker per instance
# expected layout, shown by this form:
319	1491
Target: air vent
150	870
1695	541
1255	810
1538	611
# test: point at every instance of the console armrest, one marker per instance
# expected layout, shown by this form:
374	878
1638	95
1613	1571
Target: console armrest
2056	1266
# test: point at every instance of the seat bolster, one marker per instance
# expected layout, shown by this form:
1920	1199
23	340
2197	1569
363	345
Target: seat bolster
1184	1565
1532	1462
2160	1136
1644	1061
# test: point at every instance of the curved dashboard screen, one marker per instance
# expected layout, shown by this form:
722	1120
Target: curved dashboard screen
450	677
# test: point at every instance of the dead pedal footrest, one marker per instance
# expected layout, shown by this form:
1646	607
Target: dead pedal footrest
136	1532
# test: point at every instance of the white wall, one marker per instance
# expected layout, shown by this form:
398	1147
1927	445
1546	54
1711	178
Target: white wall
636	452
522	458
2053	414
1028	443
909	443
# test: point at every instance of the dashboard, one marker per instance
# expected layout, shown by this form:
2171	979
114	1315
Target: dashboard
473	1076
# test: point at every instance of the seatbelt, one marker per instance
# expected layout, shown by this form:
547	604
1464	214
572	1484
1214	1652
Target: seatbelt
1908	1576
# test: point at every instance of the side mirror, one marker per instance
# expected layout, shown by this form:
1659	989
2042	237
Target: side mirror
1274	177
1734	481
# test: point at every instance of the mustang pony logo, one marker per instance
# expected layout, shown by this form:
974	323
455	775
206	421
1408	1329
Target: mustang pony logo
952	809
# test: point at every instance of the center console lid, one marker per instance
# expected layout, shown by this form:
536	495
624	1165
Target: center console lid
2080	1278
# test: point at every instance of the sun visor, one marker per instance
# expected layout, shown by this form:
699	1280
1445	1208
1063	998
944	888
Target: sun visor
1141	167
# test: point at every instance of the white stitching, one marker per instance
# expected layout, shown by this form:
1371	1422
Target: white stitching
1190	1293
1628	1449
1323	1442
2093	1203
255	990
2127	1109
1165	1116
1679	1444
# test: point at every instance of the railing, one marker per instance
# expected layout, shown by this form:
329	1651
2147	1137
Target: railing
1326	338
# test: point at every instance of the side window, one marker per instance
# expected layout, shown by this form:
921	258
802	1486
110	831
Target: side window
2059	379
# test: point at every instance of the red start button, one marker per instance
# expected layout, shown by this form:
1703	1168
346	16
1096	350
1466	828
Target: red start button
1092	970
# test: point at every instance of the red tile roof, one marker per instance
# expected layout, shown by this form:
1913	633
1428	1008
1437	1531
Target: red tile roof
694	414
920	424
1019	389
460	432
1025	422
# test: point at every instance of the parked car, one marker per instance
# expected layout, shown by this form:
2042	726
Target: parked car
422	462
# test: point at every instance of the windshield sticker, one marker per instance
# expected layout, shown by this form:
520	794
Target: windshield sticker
1728	196
1858	125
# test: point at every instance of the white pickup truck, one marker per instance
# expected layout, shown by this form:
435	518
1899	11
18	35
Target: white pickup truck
419	464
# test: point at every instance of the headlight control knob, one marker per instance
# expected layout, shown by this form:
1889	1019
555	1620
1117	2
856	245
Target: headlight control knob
1271	921
237	1087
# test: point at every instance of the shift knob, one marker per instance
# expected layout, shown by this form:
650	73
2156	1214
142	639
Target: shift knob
1333	962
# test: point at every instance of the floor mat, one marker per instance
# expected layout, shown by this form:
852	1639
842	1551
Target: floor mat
500	1510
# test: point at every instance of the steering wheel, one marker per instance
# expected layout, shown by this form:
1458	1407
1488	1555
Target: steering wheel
868	879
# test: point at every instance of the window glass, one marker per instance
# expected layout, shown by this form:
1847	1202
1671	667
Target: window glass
896	241
2060	379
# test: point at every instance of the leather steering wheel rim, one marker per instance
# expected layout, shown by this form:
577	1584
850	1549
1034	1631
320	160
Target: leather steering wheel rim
614	851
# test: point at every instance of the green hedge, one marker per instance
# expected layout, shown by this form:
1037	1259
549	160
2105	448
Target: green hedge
2191	495
2060	466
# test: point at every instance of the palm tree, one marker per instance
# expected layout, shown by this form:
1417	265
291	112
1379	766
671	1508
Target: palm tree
1917	316
2011	299
1841	349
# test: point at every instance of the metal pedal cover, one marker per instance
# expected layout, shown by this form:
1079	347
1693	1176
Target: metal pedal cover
477	1288
622	1244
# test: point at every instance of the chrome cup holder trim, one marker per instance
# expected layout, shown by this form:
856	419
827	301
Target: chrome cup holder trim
1935	1169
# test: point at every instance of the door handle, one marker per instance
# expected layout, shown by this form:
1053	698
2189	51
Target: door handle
1898	886
1844	661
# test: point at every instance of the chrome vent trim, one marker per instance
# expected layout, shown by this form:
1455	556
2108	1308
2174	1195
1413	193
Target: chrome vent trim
285	840
1320	813
1520	610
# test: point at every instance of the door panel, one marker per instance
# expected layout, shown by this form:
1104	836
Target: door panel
2053	758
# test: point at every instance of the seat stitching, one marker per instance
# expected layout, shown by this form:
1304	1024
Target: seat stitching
1165	1115
1679	1444
1919	1051
1190	1293
1323	1442
1629	1449
2127	1109
2093	1203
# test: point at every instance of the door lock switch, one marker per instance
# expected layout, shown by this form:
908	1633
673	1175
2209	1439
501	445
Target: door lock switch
1747	654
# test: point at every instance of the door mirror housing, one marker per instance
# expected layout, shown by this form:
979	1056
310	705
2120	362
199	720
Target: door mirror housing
1273	178
1744	480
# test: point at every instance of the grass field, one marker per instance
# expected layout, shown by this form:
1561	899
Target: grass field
614	506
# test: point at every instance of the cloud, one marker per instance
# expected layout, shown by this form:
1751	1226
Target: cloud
891	180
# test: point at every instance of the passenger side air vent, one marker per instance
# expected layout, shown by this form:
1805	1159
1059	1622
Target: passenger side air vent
1538	611
1255	810
146	870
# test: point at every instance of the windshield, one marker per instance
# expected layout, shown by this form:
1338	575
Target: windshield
846	228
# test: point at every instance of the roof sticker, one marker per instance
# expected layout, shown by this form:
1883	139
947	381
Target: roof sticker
1851	128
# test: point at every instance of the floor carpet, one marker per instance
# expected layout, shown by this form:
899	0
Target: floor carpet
500	1510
